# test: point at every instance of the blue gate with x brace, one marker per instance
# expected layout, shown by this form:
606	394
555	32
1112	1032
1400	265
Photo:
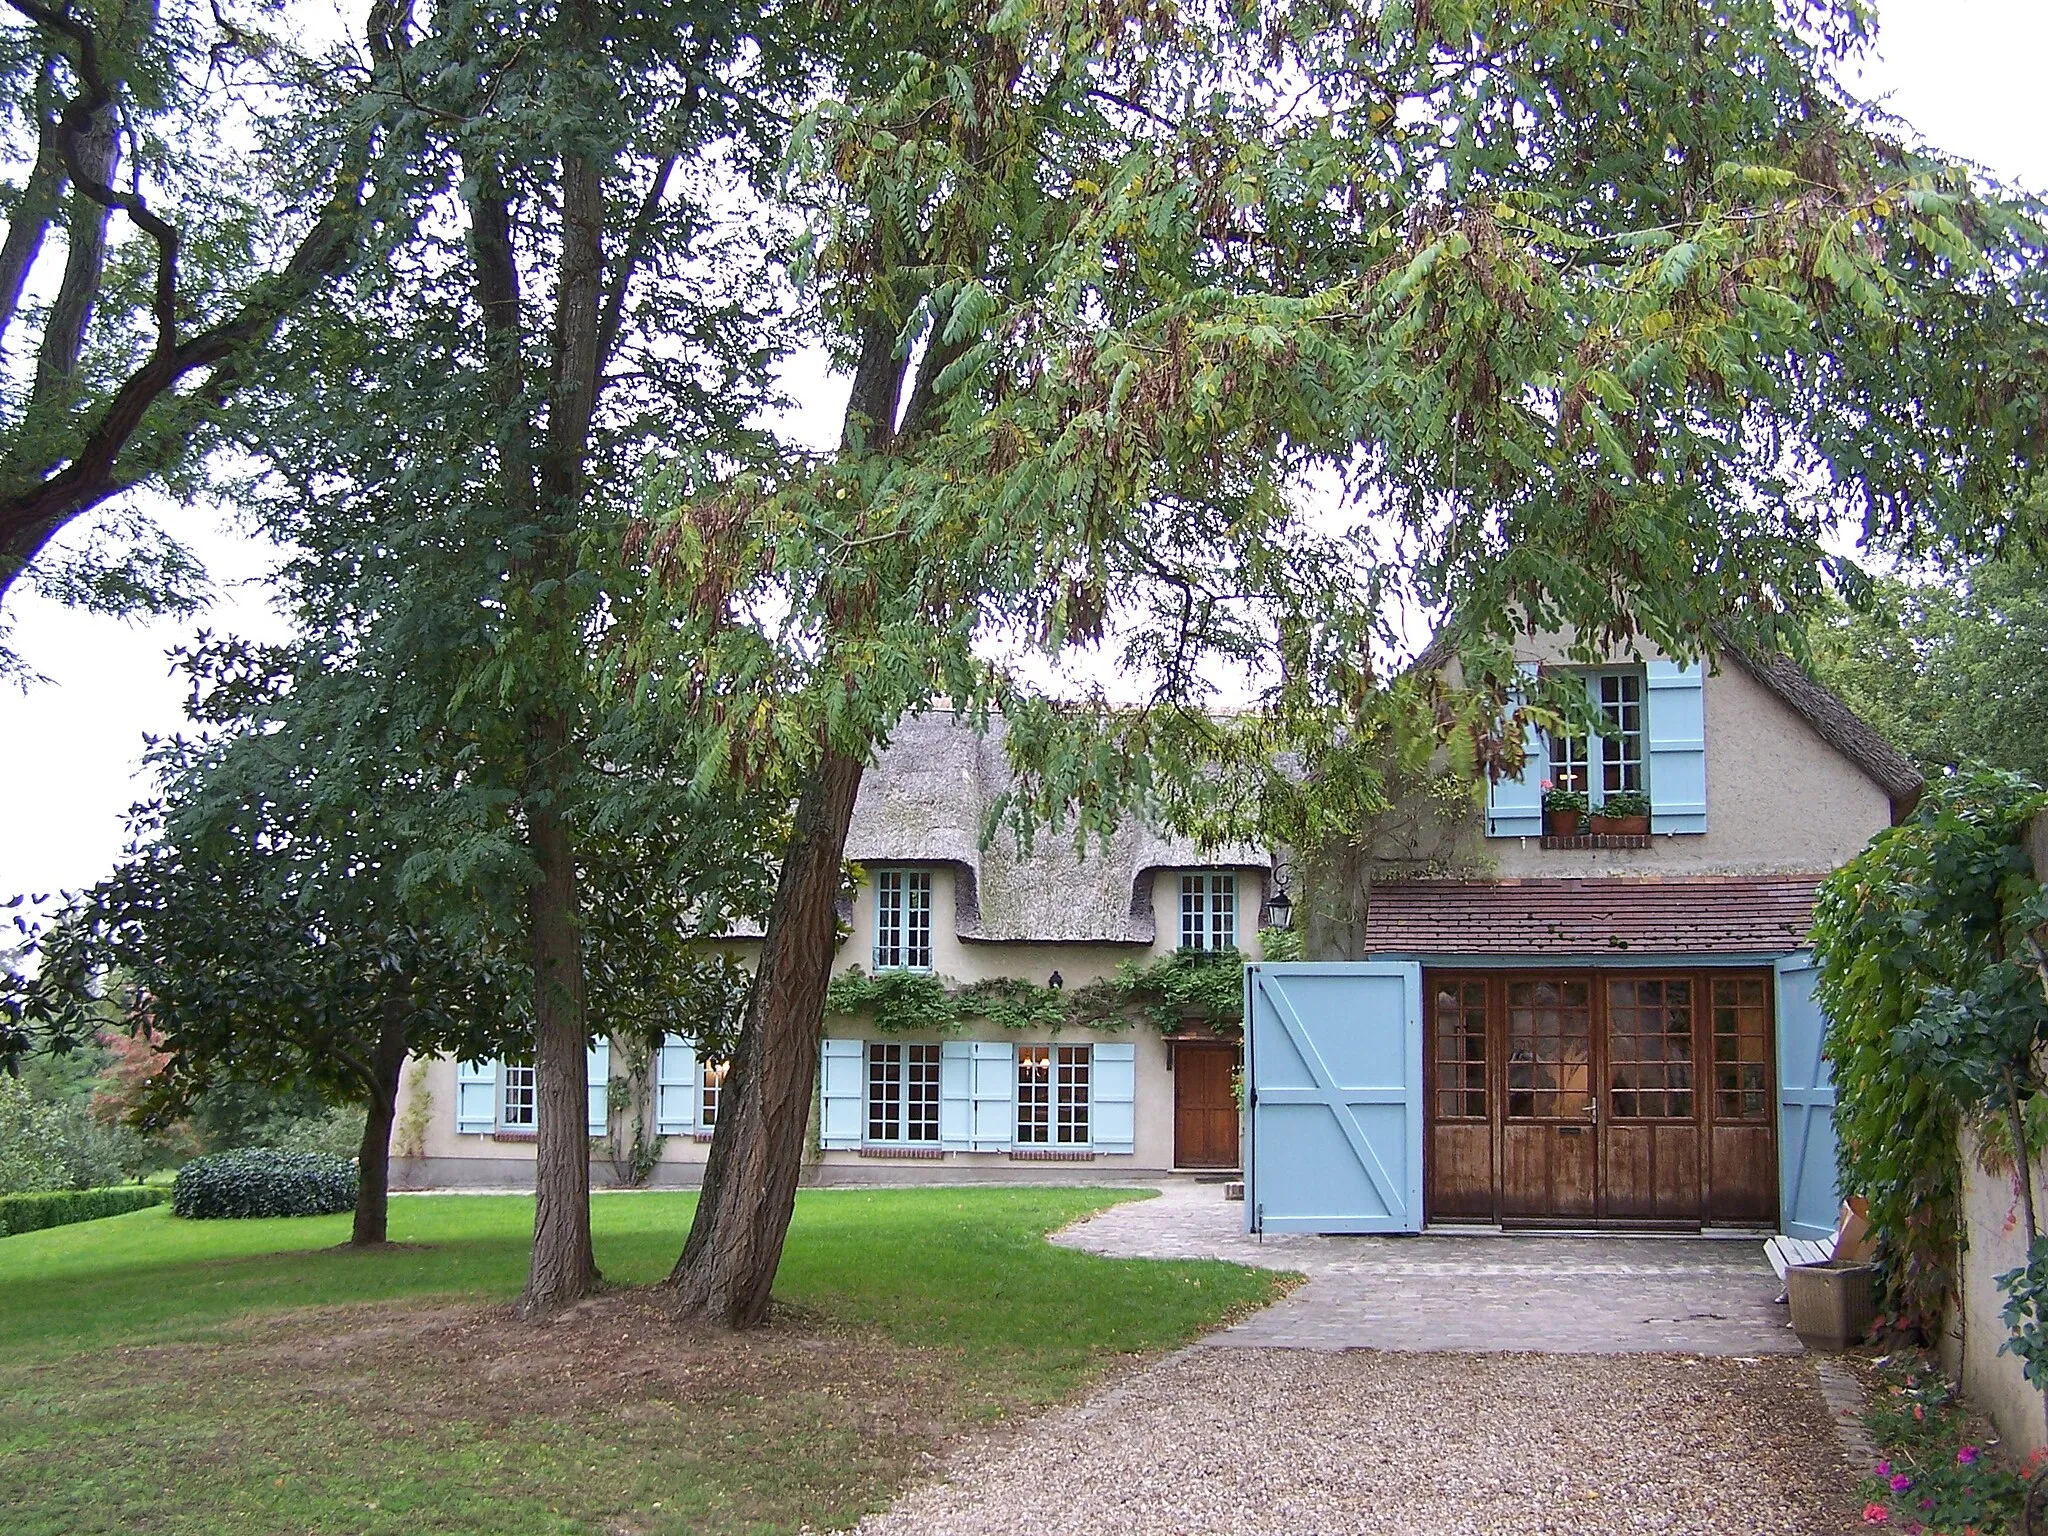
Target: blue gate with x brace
1333	1097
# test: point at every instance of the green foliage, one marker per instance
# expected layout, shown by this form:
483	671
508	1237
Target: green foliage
51	1146
261	1181
1948	667
1203	986
2026	1313
335	1132
1933	1478
1281	944
1913	939
1625	802
1567	800
62	1207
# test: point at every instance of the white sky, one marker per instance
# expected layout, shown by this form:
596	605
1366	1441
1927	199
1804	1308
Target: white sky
1965	73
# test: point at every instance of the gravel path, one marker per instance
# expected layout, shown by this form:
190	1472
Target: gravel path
1295	1442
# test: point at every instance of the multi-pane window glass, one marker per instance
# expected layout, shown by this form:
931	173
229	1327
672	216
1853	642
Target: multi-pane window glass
517	1111
1461	1050
1611	762
903	920
1208	911
1570	768
709	1089
1550	1050
1052	1095
1742	1049
903	1092
1620	696
1649	1049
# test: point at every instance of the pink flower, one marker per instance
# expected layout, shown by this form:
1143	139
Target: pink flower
1967	1456
1875	1514
1884	1469
1901	1482
1546	784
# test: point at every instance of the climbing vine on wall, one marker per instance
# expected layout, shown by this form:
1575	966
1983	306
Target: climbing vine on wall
1188	986
1907	935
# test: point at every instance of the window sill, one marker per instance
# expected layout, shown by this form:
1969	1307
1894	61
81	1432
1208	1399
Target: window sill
920	1154
701	1135
1051	1155
1590	842
515	1135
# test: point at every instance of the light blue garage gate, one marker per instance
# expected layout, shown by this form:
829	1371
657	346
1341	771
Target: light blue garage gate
1333	1097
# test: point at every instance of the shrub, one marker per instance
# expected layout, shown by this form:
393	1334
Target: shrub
61	1207
258	1181
335	1132
32	1151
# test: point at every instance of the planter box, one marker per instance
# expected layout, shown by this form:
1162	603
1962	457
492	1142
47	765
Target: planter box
1561	824
1833	1304
1621	826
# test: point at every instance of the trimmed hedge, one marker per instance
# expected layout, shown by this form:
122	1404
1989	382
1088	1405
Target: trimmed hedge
259	1181
61	1207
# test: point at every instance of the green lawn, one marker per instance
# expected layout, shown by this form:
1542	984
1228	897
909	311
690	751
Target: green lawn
168	1376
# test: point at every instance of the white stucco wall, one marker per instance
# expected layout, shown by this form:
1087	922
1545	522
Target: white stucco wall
1993	1242
449	1158
1780	800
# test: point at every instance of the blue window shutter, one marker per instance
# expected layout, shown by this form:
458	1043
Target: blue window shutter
839	1093
1514	807
476	1097
1677	731
1114	1113
956	1094
994	1091
598	1064
675	1087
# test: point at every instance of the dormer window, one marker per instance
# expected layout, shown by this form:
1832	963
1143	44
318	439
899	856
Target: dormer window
903	920
1208	911
1612	762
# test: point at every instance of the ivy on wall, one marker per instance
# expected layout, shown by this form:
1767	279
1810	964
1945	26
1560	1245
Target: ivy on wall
1188	986
1915	938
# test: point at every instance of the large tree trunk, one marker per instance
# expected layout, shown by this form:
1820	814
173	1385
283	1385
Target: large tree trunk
728	1265
563	1267
373	1158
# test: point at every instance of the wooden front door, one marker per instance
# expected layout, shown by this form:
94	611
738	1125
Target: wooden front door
1205	1116
1625	1097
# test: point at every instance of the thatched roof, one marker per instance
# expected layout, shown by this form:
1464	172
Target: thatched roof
923	802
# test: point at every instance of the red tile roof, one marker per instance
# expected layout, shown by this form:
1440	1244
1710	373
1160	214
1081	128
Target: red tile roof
1678	916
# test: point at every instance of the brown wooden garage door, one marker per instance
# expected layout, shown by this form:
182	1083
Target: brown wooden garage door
1635	1098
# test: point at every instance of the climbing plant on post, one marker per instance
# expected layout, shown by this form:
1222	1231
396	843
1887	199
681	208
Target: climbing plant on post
1938	1013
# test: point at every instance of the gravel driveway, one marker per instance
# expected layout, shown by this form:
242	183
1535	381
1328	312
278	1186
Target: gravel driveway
1244	1442
1385	1396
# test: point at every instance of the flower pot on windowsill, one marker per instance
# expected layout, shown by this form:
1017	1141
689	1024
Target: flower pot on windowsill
1566	824
1620	826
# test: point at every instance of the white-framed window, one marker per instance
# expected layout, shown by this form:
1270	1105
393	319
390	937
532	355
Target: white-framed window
903	1092
903	920
1620	697
517	1109
710	1086
1208	911
1052	1095
1611	762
